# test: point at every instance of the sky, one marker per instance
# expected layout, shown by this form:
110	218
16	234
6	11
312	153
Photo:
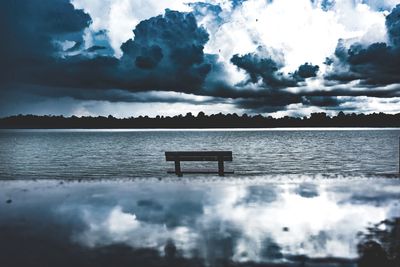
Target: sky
149	57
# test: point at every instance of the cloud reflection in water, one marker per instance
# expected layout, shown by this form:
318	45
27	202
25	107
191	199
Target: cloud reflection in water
241	222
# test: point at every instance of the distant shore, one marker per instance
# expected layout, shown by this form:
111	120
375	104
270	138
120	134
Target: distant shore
190	121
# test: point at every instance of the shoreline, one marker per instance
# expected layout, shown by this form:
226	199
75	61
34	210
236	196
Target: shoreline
327	128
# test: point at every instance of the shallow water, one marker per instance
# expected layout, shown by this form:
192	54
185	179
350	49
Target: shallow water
200	223
111	154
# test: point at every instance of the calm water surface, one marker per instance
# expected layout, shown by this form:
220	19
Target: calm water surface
298	198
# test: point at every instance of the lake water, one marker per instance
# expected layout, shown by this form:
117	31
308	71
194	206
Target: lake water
103	198
112	154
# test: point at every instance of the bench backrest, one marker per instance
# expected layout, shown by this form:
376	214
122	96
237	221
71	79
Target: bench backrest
198	155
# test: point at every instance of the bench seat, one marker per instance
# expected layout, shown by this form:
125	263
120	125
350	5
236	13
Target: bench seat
178	156
200	171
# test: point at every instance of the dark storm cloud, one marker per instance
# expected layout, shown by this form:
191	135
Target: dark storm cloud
279	101
29	29
306	71
393	26
327	4
76	47
267	69
167	54
261	68
236	3
150	57
275	100
174	33
95	48
271	102
374	65
377	64
78	71
321	101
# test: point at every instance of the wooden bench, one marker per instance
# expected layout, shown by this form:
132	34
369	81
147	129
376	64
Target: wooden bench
178	156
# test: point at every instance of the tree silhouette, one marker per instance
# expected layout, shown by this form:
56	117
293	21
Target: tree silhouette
203	121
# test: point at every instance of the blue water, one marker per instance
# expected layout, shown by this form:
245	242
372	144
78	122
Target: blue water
245	222
112	154
298	197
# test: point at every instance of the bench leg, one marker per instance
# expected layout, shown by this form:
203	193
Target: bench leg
220	167
178	168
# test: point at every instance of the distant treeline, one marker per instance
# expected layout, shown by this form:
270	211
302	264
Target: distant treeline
203	121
